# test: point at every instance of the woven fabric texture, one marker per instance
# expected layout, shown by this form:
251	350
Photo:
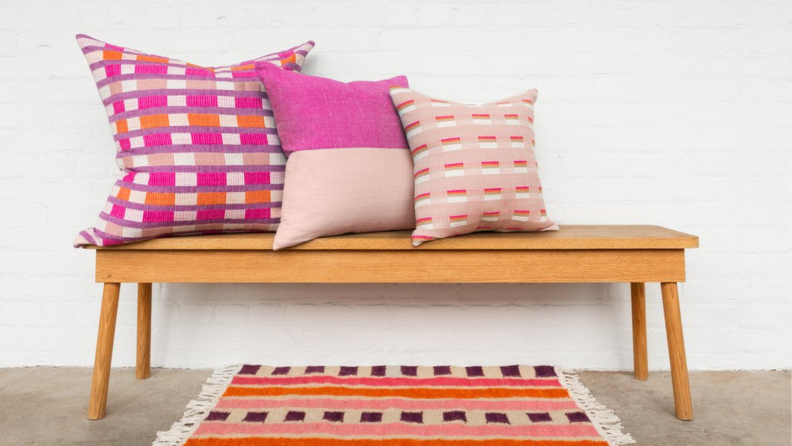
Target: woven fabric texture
474	165
197	145
397	406
349	169
319	113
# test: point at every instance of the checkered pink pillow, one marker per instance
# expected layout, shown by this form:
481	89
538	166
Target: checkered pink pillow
197	145
474	165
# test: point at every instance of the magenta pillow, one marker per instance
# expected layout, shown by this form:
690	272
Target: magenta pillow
348	167
197	145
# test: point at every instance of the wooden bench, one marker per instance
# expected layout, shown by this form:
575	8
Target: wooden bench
634	254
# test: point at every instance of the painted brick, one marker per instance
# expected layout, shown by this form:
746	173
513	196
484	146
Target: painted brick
658	112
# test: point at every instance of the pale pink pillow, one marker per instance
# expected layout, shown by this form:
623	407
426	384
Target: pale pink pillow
348	167
475	166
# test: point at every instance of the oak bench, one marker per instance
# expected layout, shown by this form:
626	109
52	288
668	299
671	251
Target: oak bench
631	254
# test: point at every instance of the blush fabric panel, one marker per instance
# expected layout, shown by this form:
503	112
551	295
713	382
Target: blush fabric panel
329	192
348	168
198	145
474	165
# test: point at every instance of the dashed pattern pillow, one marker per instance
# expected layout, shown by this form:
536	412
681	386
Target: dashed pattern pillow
474	165
197	145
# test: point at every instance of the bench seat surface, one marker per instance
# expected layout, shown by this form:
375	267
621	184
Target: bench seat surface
570	237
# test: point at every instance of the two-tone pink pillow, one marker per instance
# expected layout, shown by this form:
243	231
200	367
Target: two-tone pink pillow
475	166
197	145
348	169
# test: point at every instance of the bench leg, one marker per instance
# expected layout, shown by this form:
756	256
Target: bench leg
104	352
676	351
640	357
143	364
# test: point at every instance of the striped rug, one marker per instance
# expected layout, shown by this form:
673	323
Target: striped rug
516	405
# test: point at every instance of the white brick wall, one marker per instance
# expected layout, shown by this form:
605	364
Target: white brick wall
665	112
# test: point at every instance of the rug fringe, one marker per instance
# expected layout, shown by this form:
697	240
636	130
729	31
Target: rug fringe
604	420
197	410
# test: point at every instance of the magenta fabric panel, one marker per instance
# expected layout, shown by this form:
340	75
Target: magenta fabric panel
319	113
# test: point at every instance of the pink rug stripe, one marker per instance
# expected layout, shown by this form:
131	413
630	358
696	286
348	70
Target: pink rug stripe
398	429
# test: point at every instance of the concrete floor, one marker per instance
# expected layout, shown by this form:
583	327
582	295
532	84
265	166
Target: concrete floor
46	406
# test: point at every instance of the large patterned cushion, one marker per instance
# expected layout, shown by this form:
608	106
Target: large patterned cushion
197	145
475	166
349	169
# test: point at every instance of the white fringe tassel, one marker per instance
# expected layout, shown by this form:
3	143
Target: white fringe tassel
197	410
604	420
